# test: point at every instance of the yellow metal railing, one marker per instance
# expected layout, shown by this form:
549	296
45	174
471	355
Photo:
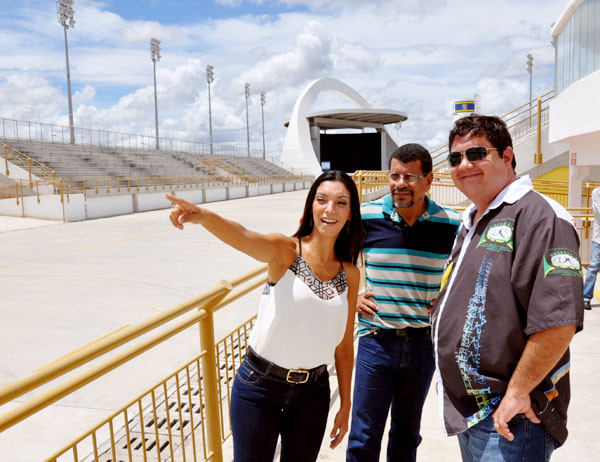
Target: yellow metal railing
185	413
444	191
521	121
217	163
115	185
369	182
372	184
32	166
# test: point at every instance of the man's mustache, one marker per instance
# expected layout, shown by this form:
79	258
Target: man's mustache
401	190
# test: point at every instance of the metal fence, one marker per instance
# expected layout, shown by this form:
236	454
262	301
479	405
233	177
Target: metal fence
13	129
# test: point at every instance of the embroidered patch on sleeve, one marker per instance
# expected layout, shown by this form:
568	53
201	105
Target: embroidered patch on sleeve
562	262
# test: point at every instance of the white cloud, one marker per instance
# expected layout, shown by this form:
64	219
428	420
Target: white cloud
23	95
497	95
231	3
86	94
356	55
408	6
309	59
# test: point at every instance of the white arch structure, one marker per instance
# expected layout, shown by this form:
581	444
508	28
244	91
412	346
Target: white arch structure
298	150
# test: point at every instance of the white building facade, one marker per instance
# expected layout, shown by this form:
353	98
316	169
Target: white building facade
575	110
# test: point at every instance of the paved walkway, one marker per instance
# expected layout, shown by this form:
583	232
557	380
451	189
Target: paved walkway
63	285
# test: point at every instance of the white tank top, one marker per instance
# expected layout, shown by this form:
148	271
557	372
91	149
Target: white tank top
301	319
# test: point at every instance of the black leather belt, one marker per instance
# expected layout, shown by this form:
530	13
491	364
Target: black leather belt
405	332
296	376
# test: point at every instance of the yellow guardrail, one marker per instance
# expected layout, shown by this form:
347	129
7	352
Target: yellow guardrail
32	166
521	121
374	183
186	412
116	185
217	163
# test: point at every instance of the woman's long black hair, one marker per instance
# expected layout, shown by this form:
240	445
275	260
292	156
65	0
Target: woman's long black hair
349	242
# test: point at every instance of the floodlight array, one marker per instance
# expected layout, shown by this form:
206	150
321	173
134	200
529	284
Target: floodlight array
65	12
210	75
155	49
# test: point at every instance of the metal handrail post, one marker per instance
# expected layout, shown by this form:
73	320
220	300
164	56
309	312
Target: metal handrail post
6	160
22	200
209	371
360	186
211	392
538	154
62	199
29	171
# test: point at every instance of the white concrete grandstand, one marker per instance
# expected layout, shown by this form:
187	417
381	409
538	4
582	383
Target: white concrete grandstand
104	173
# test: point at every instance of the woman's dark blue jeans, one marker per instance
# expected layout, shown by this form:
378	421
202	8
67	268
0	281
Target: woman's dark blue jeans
262	408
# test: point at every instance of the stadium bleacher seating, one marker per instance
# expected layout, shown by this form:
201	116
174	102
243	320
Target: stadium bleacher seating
75	161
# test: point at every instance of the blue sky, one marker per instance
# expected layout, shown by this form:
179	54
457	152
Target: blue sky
415	56
181	11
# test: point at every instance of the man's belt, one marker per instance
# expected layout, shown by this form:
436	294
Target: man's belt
295	376
404	332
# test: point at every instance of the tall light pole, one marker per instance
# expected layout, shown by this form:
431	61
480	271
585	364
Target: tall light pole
262	111
530	70
65	12
210	78
155	56
247	94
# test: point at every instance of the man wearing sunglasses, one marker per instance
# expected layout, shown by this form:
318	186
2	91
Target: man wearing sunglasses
510	303
408	237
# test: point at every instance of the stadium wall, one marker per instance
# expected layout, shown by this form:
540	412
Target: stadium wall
77	207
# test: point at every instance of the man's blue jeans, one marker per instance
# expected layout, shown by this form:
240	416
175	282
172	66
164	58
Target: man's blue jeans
262	409
482	443
592	271
394	371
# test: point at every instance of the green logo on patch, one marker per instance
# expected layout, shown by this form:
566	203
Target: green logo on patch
498	236
562	262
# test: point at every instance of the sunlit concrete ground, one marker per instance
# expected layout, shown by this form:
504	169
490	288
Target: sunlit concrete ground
63	285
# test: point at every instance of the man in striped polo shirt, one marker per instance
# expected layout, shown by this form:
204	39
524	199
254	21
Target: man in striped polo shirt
408	238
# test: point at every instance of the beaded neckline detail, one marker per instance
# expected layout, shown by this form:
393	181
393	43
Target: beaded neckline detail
325	290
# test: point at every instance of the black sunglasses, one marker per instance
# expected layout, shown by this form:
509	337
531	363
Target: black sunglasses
473	154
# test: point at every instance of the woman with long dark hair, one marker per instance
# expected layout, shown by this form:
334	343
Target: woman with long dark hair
305	321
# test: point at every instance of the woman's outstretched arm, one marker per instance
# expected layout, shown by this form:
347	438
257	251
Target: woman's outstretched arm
268	248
